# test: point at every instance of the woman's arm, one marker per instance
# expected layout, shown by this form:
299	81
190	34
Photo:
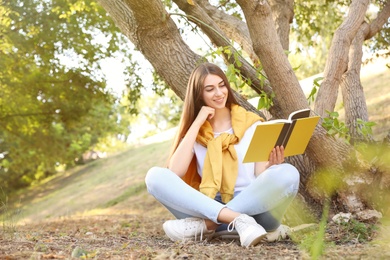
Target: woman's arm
183	155
276	157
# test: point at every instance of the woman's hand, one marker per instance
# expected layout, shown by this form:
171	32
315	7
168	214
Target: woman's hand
204	114
276	156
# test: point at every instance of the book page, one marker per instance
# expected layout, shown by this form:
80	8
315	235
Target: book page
299	114
274	121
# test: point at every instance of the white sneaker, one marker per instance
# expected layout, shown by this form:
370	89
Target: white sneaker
282	232
251	233
187	229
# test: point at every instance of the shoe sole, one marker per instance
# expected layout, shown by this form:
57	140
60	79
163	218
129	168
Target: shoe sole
257	240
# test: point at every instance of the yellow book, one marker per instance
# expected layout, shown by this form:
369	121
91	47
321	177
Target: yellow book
293	133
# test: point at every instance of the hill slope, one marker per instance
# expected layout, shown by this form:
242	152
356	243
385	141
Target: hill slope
93	188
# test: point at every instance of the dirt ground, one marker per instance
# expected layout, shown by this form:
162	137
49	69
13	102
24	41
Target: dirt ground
135	237
139	235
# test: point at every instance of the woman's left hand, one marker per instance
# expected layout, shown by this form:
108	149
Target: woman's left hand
276	156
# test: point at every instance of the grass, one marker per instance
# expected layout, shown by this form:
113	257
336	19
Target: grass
131	191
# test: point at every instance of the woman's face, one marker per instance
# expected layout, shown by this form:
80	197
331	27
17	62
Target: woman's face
215	92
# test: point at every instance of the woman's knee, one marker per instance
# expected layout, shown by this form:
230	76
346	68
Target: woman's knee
153	177
291	175
291	170
286	175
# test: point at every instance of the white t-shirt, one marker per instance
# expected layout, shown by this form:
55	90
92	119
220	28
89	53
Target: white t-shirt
246	171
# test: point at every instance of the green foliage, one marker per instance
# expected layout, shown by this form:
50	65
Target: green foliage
265	101
364	128
313	34
54	104
237	80
230	7
316	86
163	112
334	127
317	247
134	87
380	43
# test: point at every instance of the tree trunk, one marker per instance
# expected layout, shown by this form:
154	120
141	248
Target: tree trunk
337	61
352	90
282	78
283	14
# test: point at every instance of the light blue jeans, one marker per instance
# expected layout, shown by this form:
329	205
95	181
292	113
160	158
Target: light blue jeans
265	199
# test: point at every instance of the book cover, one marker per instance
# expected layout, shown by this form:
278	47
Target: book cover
293	133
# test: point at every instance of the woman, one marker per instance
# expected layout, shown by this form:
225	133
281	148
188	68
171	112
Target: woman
206	184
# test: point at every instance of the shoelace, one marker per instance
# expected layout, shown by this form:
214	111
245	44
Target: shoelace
193	223
232	225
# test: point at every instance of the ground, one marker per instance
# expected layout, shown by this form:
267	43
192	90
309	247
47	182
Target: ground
116	235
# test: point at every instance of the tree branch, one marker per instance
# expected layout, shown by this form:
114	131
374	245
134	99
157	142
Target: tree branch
377	24
233	27
268	48
283	14
152	31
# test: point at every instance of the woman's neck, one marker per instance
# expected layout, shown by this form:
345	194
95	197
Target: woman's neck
221	120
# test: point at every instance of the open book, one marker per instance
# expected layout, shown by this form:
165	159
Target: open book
293	133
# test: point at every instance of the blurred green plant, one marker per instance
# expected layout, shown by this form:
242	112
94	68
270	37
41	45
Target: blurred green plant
8	216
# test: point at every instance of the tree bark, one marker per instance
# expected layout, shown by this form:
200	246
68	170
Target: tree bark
352	90
283	14
233	27
337	61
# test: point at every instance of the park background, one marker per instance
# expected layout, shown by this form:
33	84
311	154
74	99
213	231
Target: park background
75	188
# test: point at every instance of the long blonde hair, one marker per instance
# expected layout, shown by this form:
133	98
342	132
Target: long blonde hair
193	100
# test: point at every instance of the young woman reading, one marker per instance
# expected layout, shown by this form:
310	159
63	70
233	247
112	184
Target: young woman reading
206	186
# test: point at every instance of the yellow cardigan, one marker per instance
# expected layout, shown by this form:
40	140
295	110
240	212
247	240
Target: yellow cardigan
220	168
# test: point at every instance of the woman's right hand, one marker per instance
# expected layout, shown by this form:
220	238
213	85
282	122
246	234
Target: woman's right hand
183	155
204	114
